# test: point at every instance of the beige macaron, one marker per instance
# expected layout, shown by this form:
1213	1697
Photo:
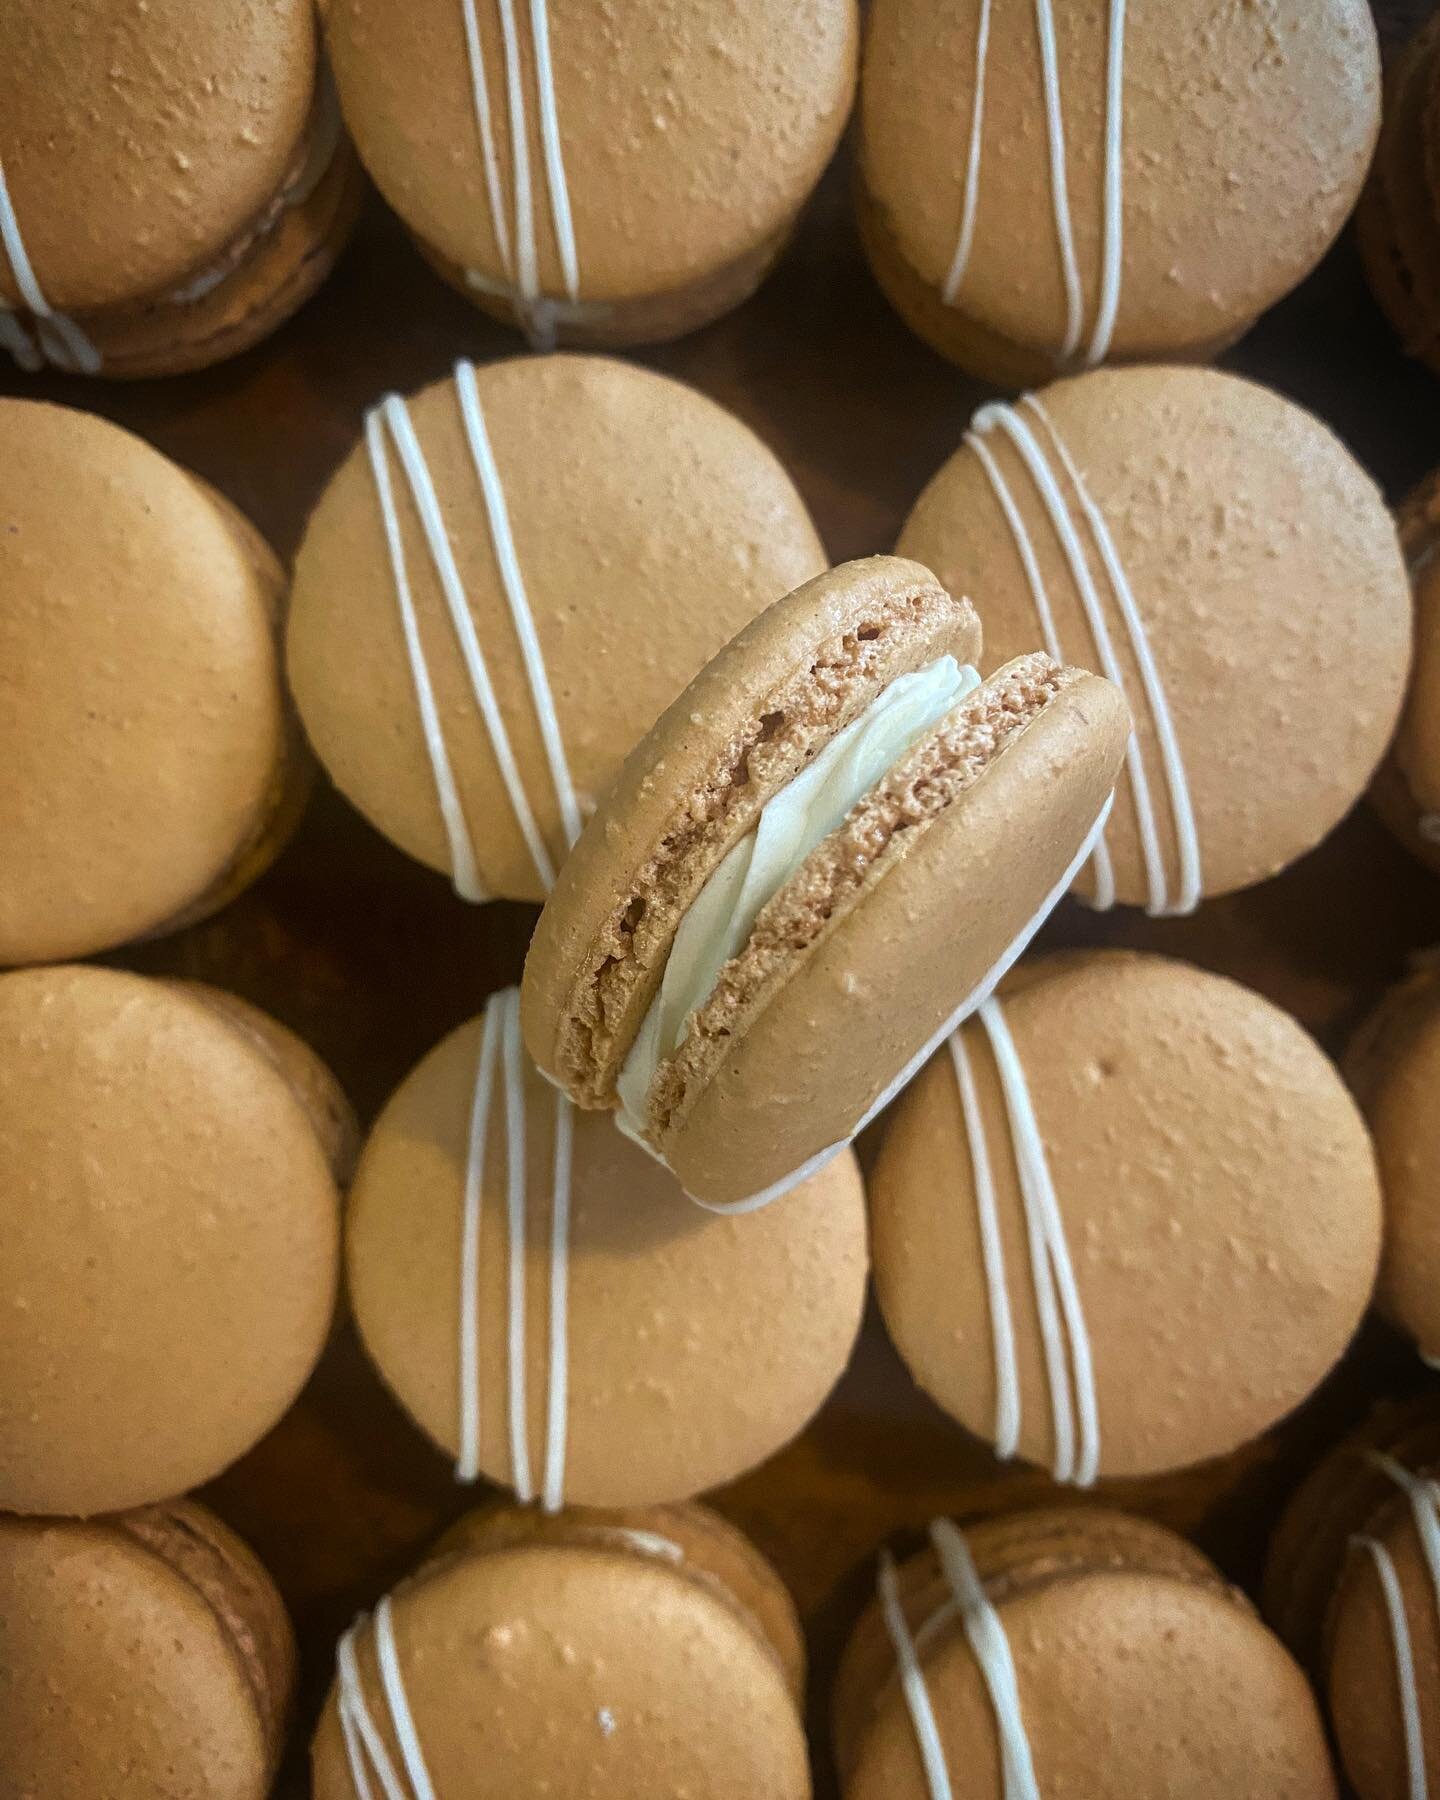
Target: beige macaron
605	1342
171	1230
152	769
601	175
142	1655
473	674
1076	1652
889	908
640	1655
1046	187
1393	1064
1353	1585
1215	550
1126	1220
174	181
1407	789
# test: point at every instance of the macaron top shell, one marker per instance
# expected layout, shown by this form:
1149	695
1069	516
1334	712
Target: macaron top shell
736	1328
143	727
171	1233
137	141
1266	577
685	135
1217	1197
576	1671
649	525
1232	160
1417	749
144	1657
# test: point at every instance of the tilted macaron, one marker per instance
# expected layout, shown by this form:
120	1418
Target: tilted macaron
152	769
1216	551
629	1656
553	1312
506	583
141	1655
1045	187
173	180
1353	1585
1407	789
829	847
604	175
1080	1652
1126	1220
171	1231
1393	1064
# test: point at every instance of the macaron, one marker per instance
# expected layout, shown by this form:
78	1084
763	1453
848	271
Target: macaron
1082	1652
1157	525
828	850
507	581
152	769
598	176
174	181
495	1236
171	1231
1406	791
141	1655
1126	1220
1353	1585
631	1656
1393	1065
1046	188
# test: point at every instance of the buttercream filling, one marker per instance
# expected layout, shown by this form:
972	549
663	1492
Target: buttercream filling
791	825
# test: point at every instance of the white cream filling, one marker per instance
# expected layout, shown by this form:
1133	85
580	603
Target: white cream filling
791	824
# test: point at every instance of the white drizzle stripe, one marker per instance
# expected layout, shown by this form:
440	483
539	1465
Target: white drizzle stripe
1051	1268
912	1682
1113	224
1059	178
357	1726
961	259
467	1467
485	130
513	1058
502	540
463	870
62	340
1404	1664
1182	810
1002	1329
442	556
560	216
1007	960
411	1755
557	1405
526	278
1104	869
991	1649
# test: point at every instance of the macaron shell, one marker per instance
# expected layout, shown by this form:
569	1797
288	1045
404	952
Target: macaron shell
139	141
116	1677
1218	1196
687	137
579	1674
171	1242
1268	576
649	526
1243	149
144	734
737	1328
918	939
1407	790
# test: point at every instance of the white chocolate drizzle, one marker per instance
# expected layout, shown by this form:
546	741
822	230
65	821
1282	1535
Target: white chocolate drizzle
1061	206
990	1647
518	248
1065	1338
1424	1498
58	340
365	1749
1036	450
501	1046
392	417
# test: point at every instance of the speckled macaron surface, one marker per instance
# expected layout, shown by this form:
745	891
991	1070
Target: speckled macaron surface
1217	551
1205	1185
171	1228
1060	185
1407	789
629	527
